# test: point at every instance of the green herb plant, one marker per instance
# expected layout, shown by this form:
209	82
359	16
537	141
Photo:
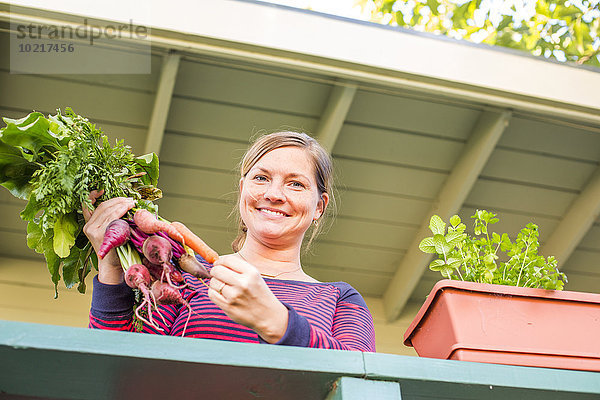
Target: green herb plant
489	257
54	163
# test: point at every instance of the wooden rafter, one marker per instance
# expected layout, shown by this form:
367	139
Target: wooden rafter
162	103
490	126
576	222
333	117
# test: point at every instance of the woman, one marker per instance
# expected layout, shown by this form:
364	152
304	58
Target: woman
260	293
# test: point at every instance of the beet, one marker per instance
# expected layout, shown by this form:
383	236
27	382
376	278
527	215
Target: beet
157	250
156	271
116	234
174	273
167	294
137	275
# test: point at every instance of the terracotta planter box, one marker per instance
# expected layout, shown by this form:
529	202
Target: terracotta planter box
508	325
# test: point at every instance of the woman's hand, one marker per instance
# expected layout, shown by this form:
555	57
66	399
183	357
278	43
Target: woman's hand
239	290
109	267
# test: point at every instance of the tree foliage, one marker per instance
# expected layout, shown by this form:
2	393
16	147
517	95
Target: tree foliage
566	30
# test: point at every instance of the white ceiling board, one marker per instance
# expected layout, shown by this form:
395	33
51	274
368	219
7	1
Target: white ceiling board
583	282
197	182
538	169
97	103
138	82
592	239
421	291
196	211
396	147
551	138
258	90
366	283
229	121
383	208
10	218
14	113
218	239
369	233
388	178
583	261
14	244
507	196
409	114
10	199
41	299
200	151
6	197
347	257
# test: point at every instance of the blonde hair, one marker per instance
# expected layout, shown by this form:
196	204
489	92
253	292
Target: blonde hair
321	160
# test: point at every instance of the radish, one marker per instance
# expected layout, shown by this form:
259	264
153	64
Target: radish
174	273
157	250
155	270
138	277
190	264
178	249
116	234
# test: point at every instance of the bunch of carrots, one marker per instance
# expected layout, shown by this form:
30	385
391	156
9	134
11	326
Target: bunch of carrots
161	250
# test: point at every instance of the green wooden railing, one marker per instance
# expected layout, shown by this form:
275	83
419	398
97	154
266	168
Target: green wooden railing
47	362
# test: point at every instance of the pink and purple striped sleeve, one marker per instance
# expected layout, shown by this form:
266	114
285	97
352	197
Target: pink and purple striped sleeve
352	326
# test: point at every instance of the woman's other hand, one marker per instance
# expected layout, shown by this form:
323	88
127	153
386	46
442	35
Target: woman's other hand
240	291
109	267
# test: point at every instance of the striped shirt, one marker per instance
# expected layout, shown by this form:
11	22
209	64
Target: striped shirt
330	315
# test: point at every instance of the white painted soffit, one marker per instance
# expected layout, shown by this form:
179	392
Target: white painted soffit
510	80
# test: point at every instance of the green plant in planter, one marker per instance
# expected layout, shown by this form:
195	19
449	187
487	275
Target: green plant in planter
477	259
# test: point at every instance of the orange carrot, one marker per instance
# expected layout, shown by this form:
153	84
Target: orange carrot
195	243
149	224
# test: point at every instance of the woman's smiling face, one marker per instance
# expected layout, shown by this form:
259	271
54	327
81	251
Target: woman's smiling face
279	197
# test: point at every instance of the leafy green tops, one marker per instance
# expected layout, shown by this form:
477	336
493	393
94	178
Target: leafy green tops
54	162
476	259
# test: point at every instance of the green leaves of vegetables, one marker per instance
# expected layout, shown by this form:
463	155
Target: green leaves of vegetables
65	228
54	162
475	258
